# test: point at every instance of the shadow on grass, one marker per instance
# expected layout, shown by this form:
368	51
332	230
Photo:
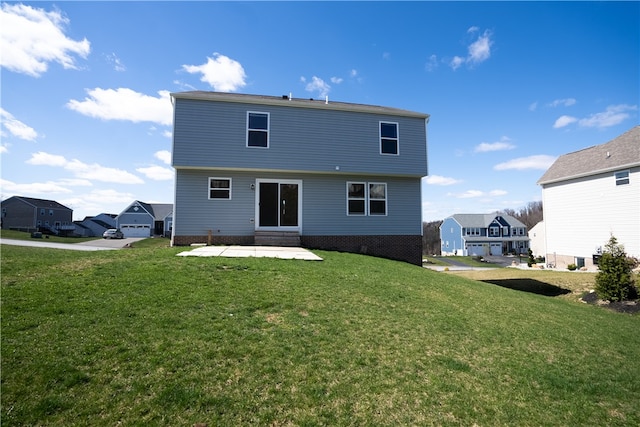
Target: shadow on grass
530	285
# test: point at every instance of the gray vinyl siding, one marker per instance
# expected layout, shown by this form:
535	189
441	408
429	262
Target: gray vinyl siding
210	134
142	218
324	205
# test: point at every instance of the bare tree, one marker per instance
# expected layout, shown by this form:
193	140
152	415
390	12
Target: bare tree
431	237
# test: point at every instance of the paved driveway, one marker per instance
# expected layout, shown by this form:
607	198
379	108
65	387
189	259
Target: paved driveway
92	245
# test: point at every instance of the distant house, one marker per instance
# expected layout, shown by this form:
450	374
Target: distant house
141	219
30	214
92	226
590	195
536	240
483	234
256	169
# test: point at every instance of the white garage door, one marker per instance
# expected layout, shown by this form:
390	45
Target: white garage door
475	249
496	249
136	230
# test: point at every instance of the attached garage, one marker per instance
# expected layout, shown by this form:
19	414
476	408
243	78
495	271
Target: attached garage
476	249
496	249
136	230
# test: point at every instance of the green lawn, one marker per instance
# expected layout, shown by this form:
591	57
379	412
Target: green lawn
142	337
21	235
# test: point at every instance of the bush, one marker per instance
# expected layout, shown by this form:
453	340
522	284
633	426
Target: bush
572	267
531	260
614	281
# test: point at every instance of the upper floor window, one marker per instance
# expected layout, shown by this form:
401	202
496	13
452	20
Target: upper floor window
257	129
473	231
366	198
389	141
622	177
42	211
494	231
51	212
219	188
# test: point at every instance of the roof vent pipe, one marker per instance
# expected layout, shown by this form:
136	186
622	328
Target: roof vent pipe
290	96
326	99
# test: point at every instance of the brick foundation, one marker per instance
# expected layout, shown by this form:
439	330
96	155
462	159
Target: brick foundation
402	248
215	240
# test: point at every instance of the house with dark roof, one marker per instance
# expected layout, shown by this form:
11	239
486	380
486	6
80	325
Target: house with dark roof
590	195
482	235
31	214
142	219
254	169
95	226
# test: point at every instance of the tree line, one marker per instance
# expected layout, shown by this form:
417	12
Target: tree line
529	215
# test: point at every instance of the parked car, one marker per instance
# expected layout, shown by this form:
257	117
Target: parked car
113	233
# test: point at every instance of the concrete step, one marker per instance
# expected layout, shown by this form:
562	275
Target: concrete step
277	238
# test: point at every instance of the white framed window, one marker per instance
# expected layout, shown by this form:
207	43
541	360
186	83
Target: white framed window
494	231
367	198
389	138
219	188
377	198
473	231
622	177
356	198
257	129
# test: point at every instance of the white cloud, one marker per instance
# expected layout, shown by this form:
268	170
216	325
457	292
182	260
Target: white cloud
533	106
318	85
336	80
157	173
472	194
541	161
613	115
164	156
480	50
31	38
563	121
386	56
441	180
4	148
354	73
117	63
477	52
9	187
83	170
125	104
222	73
16	127
456	62
567	102
503	144
432	63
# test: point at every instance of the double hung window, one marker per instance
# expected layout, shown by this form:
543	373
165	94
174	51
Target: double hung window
389	140
220	188
622	177
257	129
366	198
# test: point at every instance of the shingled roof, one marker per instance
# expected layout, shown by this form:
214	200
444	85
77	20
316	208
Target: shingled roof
484	220
289	101
619	153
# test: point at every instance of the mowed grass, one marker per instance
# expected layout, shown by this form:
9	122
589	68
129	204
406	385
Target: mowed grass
142	337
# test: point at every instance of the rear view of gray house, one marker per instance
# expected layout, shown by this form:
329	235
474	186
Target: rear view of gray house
278	170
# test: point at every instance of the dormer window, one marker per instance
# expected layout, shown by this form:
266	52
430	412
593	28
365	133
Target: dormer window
389	141
257	129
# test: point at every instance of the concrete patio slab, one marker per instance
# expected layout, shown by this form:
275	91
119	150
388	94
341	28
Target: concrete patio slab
252	251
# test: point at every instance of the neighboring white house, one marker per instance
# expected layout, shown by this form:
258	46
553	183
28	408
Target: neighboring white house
589	196
536	240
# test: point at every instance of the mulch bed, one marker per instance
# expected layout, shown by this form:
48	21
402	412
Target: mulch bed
630	307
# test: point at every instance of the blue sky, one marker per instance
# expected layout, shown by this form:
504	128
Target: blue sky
86	116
